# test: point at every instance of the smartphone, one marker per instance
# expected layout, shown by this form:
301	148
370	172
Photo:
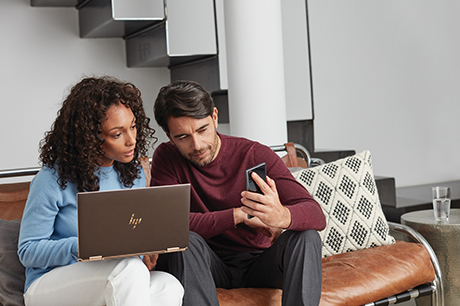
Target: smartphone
250	184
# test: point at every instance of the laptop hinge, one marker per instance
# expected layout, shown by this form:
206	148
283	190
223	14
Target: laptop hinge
172	249
99	257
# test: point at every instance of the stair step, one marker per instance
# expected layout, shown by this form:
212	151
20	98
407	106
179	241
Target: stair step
54	3
205	72
118	18
187	34
332	155
149	49
387	190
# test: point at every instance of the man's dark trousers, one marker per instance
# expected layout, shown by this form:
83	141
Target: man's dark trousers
292	263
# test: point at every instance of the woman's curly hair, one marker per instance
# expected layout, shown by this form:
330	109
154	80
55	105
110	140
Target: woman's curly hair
74	143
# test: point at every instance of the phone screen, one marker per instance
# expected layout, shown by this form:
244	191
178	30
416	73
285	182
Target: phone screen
250	184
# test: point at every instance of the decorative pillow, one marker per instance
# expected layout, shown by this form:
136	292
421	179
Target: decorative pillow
348	195
12	273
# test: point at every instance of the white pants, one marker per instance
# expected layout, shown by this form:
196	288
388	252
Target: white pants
108	282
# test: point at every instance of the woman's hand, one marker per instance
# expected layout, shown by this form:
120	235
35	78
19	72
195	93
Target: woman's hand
150	261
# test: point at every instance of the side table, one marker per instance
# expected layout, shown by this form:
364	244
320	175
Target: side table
444	238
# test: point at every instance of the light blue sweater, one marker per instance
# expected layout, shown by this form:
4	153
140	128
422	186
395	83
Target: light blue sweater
48	235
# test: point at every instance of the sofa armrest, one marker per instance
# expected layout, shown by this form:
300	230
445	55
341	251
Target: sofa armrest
13	197
416	236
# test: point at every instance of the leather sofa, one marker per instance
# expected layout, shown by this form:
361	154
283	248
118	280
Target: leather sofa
394	272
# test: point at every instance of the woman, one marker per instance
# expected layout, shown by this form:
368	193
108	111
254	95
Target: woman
94	144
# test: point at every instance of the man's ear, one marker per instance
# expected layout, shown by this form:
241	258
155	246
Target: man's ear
215	117
170	138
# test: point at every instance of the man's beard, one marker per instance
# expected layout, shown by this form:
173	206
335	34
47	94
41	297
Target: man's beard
203	162
211	148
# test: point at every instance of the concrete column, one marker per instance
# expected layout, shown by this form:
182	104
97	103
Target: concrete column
256	91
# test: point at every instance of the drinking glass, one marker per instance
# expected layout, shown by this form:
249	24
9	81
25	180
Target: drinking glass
441	203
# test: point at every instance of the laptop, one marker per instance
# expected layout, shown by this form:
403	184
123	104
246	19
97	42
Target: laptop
129	222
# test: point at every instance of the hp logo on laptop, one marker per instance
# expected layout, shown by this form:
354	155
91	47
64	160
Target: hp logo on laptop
134	222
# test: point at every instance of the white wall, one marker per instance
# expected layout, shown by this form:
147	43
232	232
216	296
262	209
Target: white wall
41	56
386	77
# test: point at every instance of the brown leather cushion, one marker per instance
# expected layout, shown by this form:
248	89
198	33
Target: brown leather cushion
354	278
12	200
249	297
369	275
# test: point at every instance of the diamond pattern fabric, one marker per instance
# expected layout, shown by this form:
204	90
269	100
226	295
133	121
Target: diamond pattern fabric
348	195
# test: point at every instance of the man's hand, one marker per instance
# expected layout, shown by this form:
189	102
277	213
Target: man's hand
267	206
271	232
150	261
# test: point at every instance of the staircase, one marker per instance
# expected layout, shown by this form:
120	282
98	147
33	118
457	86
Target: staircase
185	36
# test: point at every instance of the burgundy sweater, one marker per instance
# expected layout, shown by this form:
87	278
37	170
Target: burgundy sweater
217	187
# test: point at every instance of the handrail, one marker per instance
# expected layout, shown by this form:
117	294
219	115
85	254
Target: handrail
18	172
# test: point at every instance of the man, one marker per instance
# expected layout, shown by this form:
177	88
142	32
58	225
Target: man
227	249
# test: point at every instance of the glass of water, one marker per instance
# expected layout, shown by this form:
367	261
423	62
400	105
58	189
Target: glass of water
441	203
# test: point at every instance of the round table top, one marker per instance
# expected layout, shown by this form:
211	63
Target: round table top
427	217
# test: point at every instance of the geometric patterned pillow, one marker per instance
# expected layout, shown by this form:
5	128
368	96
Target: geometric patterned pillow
348	195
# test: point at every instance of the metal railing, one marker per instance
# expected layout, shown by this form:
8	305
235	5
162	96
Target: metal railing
18	172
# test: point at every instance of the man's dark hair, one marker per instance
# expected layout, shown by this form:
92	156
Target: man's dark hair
182	98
